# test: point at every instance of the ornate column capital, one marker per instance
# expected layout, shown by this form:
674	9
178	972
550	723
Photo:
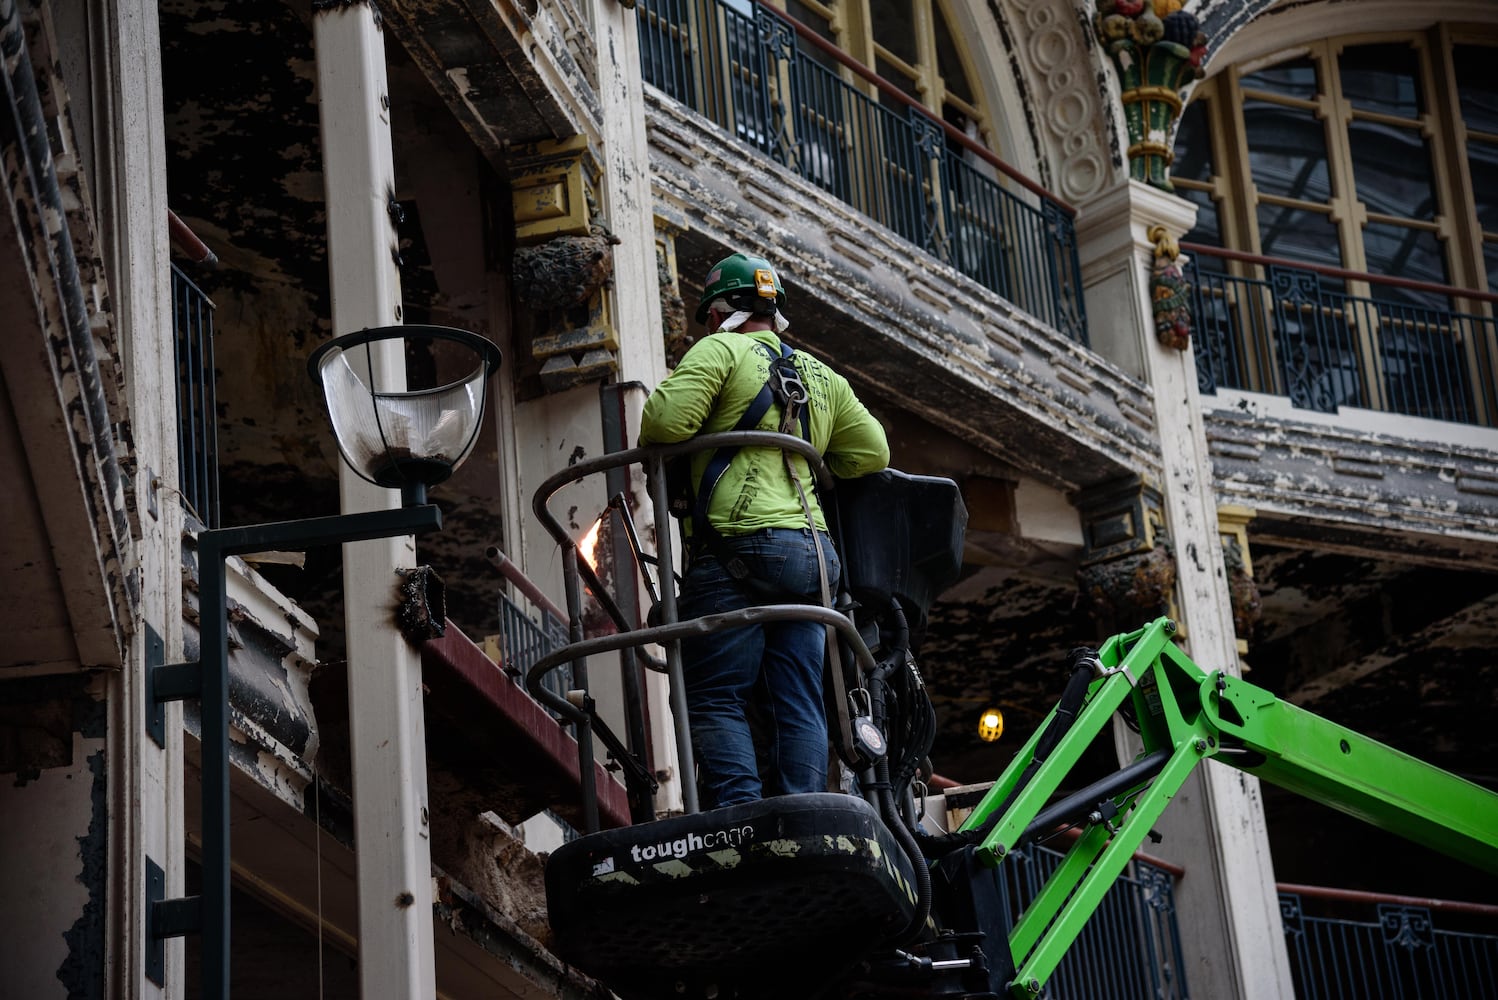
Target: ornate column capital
1243	590
1157	49
564	262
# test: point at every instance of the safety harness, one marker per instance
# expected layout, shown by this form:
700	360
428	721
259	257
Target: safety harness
784	386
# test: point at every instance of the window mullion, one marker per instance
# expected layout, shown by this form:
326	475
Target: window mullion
1240	219
928	76
1464	258
1454	179
1349	213
1335	113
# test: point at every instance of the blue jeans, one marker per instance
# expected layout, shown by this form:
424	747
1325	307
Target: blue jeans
723	669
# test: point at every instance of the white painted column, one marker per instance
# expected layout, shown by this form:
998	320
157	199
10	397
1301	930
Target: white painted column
1227	904
387	728
625	155
146	815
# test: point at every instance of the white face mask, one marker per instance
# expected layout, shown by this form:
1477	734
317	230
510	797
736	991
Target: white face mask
736	320
733	321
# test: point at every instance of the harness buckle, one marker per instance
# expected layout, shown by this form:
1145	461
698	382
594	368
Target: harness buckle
786	384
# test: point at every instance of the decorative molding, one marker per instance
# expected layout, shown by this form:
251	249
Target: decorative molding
1122	592
1119	518
553	186
1478	481
1170	292
673	307
563	264
1243	590
1128	567
1157	49
1053	57
1246	29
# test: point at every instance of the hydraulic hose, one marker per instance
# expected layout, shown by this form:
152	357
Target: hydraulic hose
912	851
901	641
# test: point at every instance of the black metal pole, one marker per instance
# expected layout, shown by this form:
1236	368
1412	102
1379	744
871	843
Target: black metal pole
213	662
214	549
572	583
631	673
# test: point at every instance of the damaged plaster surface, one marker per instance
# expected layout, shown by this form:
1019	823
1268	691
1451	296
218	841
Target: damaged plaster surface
53	733
962	358
1313	478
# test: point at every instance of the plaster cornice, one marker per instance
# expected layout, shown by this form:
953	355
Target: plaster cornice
1341	489
1237	30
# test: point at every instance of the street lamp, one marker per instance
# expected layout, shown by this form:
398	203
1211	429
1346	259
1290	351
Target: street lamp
412	439
409	439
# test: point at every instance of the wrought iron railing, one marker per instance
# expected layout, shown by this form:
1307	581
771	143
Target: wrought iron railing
778	89
526	637
528	634
1401	952
197	407
1328	338
1131	946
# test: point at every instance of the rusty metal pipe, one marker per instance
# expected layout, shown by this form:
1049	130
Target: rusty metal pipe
187	241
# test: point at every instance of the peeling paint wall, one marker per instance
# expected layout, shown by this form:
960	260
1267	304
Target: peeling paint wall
53	866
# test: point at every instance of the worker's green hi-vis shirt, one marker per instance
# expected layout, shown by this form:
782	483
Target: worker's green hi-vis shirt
711	389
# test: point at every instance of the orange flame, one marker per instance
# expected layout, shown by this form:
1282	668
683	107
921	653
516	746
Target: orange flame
587	546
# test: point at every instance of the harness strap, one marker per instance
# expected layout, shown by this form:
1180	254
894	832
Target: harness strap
784	384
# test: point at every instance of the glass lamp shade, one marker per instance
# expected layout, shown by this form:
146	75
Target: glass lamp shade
413	438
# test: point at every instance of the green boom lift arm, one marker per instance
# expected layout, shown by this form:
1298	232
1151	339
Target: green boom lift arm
1185	715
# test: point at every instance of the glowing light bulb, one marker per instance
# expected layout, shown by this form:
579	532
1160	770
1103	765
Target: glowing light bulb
990	725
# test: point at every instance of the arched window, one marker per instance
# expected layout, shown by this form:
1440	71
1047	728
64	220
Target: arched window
1373	154
910	44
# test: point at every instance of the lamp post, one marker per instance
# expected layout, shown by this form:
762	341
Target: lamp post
409	440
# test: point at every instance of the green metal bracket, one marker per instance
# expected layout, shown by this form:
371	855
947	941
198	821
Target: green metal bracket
1185	715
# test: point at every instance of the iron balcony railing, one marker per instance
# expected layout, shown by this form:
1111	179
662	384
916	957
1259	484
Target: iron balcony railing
790	95
197	408
1130	947
526	636
1328	338
1400	952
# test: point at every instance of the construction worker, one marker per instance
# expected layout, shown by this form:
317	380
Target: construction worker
757	530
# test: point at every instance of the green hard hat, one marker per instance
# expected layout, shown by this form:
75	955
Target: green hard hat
748	276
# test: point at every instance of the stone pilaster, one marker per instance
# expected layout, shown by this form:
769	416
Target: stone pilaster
1229	912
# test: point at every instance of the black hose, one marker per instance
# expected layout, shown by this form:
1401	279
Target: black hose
917	715
901	642
1074	808
1081	662
912	851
